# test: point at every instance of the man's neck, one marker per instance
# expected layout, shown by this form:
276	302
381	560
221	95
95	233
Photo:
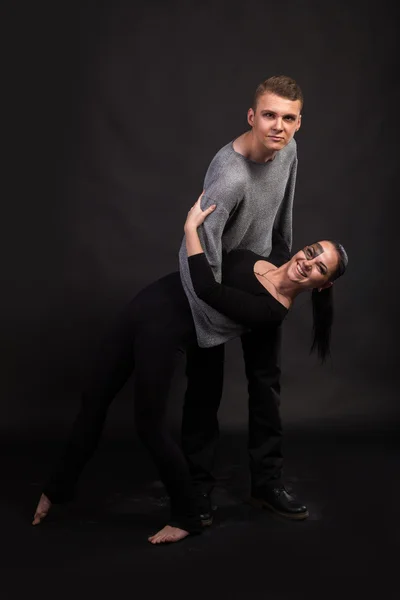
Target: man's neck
246	145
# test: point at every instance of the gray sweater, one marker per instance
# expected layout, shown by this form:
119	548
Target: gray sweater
252	199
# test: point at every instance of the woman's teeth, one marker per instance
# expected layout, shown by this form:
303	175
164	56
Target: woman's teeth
300	270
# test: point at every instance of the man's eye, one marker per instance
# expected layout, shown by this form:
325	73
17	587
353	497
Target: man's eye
289	118
269	115
309	251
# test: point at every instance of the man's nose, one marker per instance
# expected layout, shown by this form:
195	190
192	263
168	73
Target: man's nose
278	124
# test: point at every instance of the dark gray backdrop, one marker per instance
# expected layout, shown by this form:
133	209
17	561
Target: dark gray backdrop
113	115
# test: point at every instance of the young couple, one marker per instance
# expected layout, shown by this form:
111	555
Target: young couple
236	278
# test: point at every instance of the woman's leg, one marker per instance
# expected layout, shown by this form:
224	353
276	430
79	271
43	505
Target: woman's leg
149	333
112	367
157	347
155	361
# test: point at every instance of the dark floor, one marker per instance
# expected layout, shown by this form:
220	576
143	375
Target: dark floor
97	547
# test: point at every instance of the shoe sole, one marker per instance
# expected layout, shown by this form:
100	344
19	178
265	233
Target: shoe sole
263	504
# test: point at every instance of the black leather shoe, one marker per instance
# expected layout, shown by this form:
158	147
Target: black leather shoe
206	510
280	502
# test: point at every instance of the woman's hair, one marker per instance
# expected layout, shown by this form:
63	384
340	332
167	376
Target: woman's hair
322	307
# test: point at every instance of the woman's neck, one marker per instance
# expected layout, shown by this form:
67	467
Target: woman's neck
283	285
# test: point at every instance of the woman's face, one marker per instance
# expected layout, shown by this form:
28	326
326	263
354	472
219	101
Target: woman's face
313	266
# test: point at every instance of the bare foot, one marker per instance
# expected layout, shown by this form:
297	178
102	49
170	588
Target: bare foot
168	534
42	509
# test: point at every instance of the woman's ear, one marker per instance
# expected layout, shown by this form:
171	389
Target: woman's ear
327	285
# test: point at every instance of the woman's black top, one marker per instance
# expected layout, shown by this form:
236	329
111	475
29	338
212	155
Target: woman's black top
240	296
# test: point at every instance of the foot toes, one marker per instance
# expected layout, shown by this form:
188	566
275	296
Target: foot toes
38	518
167	535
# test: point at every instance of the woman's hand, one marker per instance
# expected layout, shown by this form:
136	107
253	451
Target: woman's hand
196	216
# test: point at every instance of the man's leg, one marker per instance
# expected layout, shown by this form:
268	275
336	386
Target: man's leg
261	352
200	430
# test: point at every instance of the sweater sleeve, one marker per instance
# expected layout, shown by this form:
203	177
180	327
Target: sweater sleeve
280	251
247	309
227	198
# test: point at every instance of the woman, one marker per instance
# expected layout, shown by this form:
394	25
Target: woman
157	325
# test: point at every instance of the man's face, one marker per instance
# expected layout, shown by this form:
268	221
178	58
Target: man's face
275	121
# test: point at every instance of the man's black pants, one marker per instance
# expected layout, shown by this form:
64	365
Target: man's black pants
200	430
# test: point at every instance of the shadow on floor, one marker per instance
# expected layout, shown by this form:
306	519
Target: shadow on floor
97	545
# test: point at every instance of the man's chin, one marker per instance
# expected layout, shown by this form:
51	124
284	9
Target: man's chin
278	142
275	146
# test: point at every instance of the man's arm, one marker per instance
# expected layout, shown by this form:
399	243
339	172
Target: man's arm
194	219
226	197
280	252
283	220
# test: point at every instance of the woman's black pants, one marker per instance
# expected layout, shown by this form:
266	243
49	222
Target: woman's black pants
146	339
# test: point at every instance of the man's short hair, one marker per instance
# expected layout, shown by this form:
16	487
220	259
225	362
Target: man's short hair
282	86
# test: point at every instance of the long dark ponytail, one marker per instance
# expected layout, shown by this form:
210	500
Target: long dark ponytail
322	308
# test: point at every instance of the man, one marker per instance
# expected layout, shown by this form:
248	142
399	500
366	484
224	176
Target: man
252	182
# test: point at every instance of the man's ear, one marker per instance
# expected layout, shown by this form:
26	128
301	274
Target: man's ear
299	123
327	285
250	117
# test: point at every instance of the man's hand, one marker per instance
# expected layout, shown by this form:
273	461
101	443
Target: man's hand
196	216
